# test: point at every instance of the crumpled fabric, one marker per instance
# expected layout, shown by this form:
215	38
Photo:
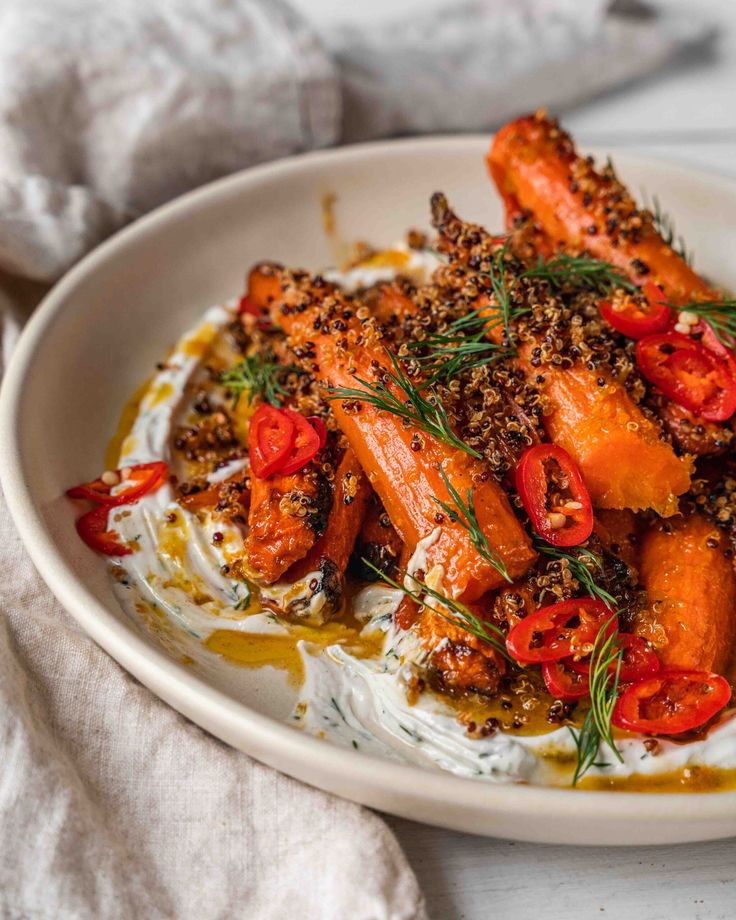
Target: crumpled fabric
115	807
110	109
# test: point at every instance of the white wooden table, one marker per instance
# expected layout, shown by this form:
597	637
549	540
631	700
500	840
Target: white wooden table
687	113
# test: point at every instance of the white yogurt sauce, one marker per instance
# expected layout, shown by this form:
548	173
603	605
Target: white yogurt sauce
360	703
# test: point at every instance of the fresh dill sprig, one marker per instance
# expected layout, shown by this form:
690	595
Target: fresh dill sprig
665	227
463	512
501	290
719	314
463	617
465	343
579	570
603	687
579	272
257	374
425	412
450	354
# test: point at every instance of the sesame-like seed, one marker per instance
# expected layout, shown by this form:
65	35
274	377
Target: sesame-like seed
110	478
687	318
556	519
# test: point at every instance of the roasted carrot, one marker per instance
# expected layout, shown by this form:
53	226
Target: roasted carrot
351	494
287	516
620	451
377	542
535	167
262	286
402	463
618	531
691	591
392	303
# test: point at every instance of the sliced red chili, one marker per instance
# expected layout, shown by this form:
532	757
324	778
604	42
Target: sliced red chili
93	528
319	426
270	438
554	495
306	443
638	662
559	631
139	481
671	702
691	375
564	683
635	319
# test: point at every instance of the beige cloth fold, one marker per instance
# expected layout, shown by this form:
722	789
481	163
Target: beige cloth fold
115	807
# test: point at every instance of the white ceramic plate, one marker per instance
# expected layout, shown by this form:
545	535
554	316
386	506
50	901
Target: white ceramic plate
96	338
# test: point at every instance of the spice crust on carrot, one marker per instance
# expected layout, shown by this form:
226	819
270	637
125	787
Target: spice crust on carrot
535	167
287	515
341	343
620	451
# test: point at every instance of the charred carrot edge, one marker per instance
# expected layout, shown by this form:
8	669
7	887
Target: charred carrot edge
534	165
338	347
349	504
286	517
691	592
621	456
377	529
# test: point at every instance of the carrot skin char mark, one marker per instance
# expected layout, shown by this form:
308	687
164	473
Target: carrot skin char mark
686	575
406	479
349	505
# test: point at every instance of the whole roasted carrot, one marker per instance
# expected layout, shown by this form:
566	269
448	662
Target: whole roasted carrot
406	466
620	451
535	166
691	592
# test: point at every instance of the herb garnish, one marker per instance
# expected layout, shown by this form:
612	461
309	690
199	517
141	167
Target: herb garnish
463	617
257	374
451	353
463	512
603	687
425	412
665	227
579	272
719	314
579	570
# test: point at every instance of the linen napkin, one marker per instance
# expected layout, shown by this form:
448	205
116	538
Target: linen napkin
109	109
115	807
111	804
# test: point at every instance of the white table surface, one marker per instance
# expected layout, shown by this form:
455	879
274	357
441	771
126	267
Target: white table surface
688	114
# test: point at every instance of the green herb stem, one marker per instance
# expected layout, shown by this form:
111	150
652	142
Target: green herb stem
463	617
462	511
424	412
